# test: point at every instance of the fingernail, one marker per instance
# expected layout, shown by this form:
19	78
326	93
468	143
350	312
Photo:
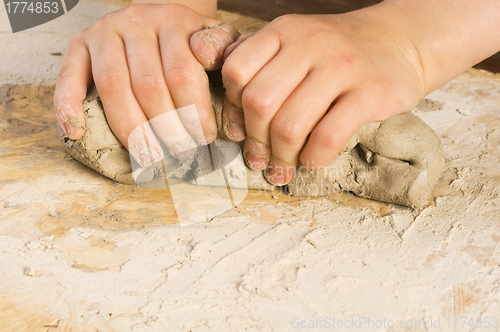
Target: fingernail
63	120
185	154
63	127
157	153
146	161
199	137
275	177
146	156
67	123
183	149
69	129
210	136
72	125
235	132
256	163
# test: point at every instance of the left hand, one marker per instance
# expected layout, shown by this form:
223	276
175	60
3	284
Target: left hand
287	76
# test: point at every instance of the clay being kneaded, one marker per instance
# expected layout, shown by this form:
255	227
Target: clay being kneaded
398	160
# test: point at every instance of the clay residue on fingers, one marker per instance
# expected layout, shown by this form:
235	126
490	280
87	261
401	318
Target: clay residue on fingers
256	157
69	124
221	27
137	20
208	45
211	41
234	132
183	149
145	155
76	123
233	122
398	160
144	146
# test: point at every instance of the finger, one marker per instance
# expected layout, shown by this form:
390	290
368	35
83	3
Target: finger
150	90
124	115
144	147
187	82
237	43
246	61
233	122
73	81
263	97
329	137
170	129
208	45
233	118
295	120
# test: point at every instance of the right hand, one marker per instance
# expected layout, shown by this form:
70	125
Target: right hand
141	61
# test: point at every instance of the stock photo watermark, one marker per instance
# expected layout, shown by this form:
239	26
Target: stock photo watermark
367	323
169	152
205	180
28	14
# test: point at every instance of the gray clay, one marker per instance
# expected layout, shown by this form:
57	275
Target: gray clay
398	160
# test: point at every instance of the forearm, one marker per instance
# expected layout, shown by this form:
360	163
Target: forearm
449	35
207	8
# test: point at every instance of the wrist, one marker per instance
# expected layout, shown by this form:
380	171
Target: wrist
206	8
416	49
389	25
448	37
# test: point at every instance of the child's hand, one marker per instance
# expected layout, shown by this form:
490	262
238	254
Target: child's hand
372	63
287	75
141	62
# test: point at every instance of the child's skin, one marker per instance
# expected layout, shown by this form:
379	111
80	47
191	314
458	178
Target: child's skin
375	63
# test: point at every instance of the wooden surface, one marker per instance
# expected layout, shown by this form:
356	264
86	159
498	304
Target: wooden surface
82	253
35	165
64	221
269	10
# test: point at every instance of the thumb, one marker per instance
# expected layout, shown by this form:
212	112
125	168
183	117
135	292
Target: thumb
208	45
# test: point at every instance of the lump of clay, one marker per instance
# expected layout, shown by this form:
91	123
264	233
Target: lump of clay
398	160
99	148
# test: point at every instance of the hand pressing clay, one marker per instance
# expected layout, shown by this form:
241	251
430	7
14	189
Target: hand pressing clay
398	160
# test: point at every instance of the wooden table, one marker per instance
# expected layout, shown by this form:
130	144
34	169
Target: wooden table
78	225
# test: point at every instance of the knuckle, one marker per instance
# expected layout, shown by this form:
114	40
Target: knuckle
285	20
112	18
110	81
176	9
258	103
149	85
133	10
103	21
288	130
179	12
346	61
78	37
102	25
328	140
313	162
232	72
180	76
